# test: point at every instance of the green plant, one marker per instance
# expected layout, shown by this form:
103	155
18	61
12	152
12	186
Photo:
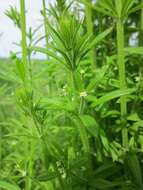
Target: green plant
61	120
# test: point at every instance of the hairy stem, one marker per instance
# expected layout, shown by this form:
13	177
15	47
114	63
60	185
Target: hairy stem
23	30
28	182
122	78
141	28
140	84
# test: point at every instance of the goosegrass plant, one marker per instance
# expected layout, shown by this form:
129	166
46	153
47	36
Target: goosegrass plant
69	137
36	120
119	10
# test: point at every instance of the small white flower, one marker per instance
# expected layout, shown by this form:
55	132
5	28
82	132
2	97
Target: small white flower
137	79
82	71
72	99
64	175
83	94
23	173
58	163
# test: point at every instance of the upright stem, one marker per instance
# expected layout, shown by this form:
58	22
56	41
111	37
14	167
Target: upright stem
46	38
122	78
28	182
140	85
45	22
82	131
141	28
141	44
1	147
23	30
89	26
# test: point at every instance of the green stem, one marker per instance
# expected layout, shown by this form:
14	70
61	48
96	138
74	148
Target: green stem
46	39
82	131
140	85
47	151
23	30
89	26
30	70
141	28
141	44
122	78
45	22
1	147
28	182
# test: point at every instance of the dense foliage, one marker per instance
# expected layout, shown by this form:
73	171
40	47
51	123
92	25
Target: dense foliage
75	119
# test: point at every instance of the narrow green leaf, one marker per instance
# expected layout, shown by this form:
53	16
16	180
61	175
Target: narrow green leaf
111	95
97	79
136	8
8	186
21	69
134	166
101	184
127	5
100	37
104	140
47	176
106	7
45	51
90	124
102	169
134	50
83	133
133	117
119	7
49	53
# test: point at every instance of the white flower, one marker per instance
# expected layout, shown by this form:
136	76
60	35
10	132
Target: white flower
58	163
23	173
64	175
72	98
83	94
82	71
137	79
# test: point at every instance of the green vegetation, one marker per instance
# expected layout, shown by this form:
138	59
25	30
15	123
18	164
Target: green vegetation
74	120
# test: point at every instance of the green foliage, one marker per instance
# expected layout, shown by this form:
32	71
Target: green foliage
8	186
70	43
14	15
65	124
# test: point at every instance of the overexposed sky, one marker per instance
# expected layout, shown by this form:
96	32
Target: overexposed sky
10	33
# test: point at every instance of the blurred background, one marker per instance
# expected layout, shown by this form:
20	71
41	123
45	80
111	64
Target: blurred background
9	33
